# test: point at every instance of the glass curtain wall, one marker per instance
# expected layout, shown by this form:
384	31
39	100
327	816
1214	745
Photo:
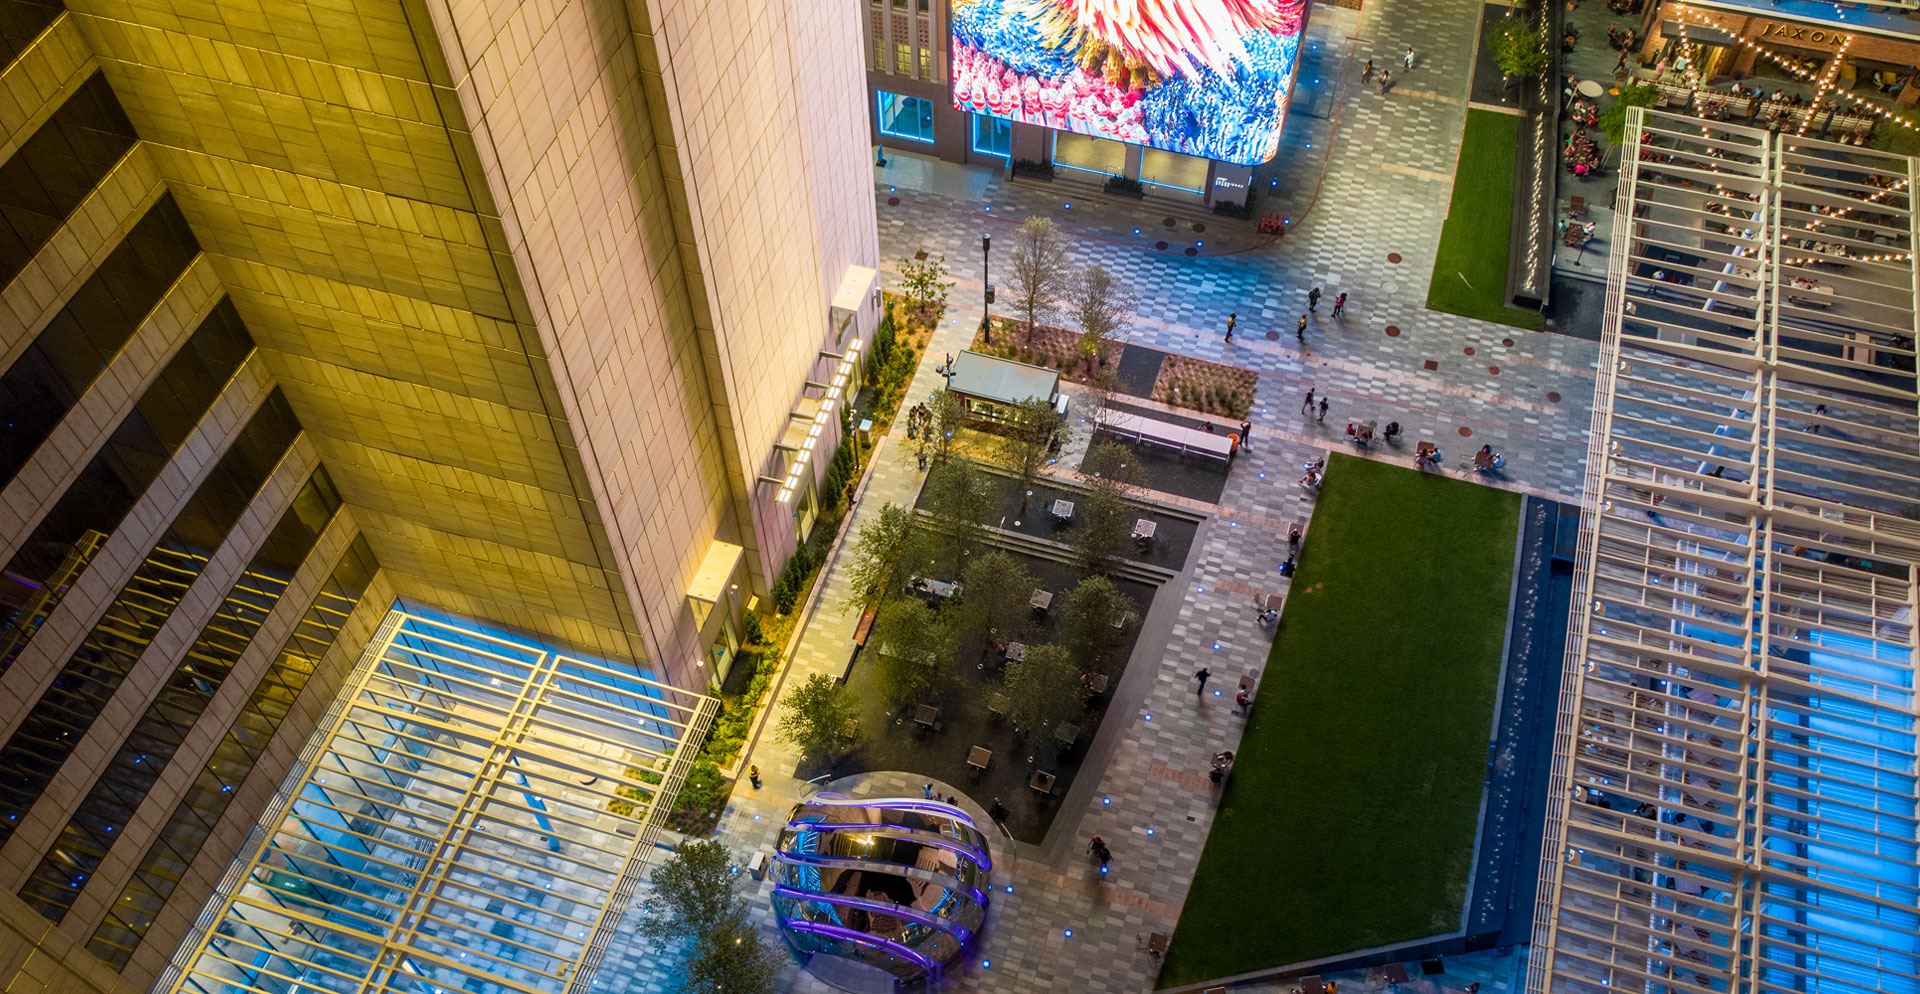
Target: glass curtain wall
66	711
63	544
55	168
64	872
76	346
193	820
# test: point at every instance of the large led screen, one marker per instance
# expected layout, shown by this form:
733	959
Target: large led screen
1201	77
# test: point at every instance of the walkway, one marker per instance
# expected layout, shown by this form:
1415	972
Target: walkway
1063	928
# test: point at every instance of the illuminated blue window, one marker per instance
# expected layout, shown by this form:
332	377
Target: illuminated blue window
906	117
993	135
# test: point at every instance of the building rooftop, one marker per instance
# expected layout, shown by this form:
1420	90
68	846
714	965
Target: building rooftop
1734	768
977	374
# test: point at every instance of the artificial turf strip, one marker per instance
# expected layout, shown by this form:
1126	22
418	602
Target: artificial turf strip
1350	817
1474	240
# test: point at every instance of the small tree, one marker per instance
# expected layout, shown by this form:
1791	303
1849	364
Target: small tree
1040	274
1520	50
1087	628
923	285
1103	522
1028	439
1613	120
1102	305
883	544
958	499
692	892
1110	464
946	416
998	589
733	958
1044	689
915	649
1104	517
814	714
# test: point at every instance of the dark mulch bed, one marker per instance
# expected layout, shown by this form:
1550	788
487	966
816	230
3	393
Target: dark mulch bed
1172	536
892	741
1202	478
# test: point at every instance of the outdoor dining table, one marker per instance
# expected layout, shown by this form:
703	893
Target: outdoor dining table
979	756
1063	510
926	715
1143	528
1066	732
1041	600
1097	683
1016	651
1041	782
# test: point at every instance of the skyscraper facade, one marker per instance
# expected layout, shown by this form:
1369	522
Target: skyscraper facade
520	312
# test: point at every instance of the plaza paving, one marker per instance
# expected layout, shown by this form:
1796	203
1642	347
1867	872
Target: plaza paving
1383	190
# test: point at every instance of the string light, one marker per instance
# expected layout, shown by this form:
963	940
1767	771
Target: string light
1704	21
1825	85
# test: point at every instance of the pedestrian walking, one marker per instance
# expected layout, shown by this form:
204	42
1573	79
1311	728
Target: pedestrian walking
1340	305
1301	331
753	776
1201	675
1323	409
1306	406
1386	80
1313	299
1366	75
1409	59
926	790
1232	319
1246	434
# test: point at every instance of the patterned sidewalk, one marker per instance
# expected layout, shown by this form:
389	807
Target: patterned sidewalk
1388	163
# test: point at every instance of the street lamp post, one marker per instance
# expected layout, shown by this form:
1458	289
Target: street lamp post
986	255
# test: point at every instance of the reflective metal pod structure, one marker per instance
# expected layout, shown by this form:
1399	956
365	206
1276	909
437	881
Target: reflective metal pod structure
880	894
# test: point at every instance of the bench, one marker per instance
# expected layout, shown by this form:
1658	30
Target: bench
757	865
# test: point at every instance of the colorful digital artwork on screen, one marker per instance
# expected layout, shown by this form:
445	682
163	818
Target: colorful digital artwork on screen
1201	77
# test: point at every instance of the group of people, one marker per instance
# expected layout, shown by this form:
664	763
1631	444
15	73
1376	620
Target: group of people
1386	76
1582	153
1486	460
1222	762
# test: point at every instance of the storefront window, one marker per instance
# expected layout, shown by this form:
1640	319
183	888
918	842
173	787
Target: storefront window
906	117
992	135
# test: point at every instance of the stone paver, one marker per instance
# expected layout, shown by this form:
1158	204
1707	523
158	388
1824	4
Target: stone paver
1383	190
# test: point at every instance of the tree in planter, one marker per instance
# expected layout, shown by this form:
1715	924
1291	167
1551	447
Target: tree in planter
923	285
694	901
814	714
733	959
1101	305
1086	624
883	544
1520	50
946	416
958	498
1028	439
1613	120
1040	274
693	890
914	652
1044	689
998	589
1103	519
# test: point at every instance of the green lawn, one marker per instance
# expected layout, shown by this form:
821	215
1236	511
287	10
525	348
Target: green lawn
1350	818
1474	241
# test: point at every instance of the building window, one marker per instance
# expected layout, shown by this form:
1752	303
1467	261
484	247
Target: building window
906	117
925	6
902	58
926	63
879	55
993	135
